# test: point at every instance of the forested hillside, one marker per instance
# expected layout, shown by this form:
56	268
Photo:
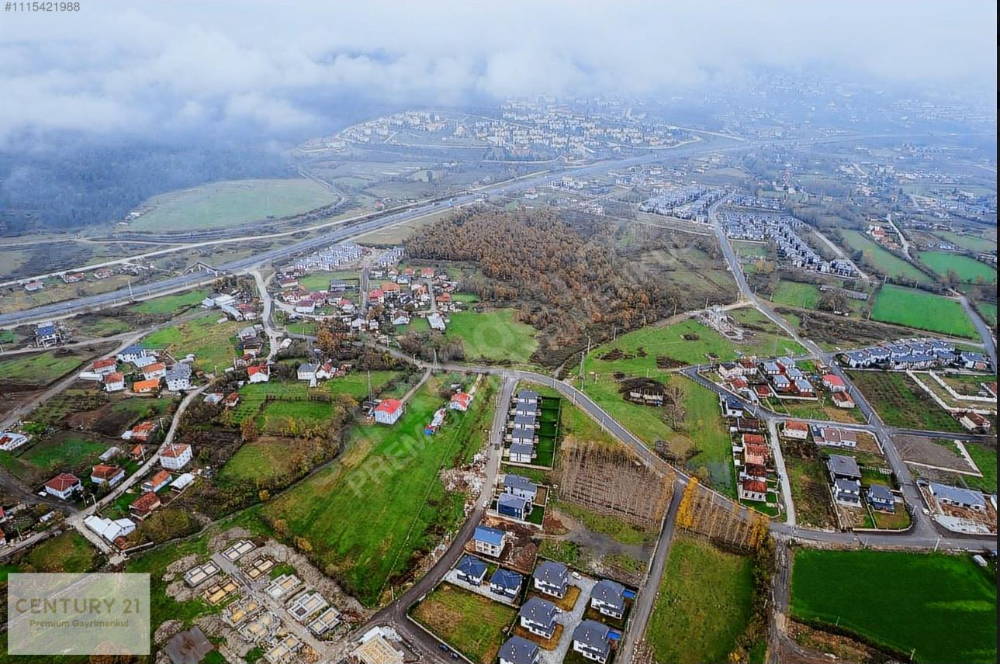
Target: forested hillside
562	283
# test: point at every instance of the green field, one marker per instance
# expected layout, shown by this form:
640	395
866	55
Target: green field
231	203
941	607
967	269
65	553
494	336
171	304
923	311
901	403
970	242
808	480
368	517
703	605
670	342
38	369
985	458
988	312
883	260
213	343
472	624
796	294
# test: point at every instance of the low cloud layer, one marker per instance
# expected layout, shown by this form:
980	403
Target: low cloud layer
125	66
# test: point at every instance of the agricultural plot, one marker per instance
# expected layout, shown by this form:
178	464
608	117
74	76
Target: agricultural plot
703	604
67	553
804	296
213	343
39	369
368	543
988	312
985	458
901	403
493	336
923	311
883	260
970	242
231	203
171	304
938	607
66	451
967	269
810	492
654	348
472	624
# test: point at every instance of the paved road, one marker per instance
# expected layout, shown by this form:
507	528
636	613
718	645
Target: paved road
273	336
985	331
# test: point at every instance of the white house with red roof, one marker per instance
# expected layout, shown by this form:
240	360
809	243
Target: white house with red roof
154	371
461	401
63	486
114	382
176	455
259	373
834	383
388	411
106	366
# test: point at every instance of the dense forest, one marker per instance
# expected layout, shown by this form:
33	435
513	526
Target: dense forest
565	283
81	184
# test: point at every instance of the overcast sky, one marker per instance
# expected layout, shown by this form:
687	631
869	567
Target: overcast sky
123	66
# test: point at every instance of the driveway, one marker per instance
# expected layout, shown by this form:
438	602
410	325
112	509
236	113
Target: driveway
569	620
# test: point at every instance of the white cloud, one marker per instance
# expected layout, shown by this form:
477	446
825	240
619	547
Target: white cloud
125	65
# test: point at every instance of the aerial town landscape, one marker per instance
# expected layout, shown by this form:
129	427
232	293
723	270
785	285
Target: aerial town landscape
704	373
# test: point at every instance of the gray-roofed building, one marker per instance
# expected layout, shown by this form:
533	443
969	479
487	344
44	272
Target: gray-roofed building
880	498
958	497
522	452
513	506
520	486
524	423
847	492
844	467
516	650
551	578
608	597
538	616
592	640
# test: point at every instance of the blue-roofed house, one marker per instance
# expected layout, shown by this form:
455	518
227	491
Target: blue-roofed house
506	583
513	506
471	570
489	541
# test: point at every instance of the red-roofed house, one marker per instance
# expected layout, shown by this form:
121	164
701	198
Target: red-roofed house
106	366
834	383
388	411
795	429
176	456
114	382
259	373
144	505
159	480
751	489
155	370
461	401
111	475
63	486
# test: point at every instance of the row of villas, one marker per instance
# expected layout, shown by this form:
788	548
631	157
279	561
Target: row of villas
914	354
781	378
523	426
781	229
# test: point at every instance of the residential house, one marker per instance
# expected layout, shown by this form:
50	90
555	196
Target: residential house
538	616
592	640
307	372
63	486
522	436
527	397
971	421
834	383
144	505
795	430
156	371
880	498
506	583
110	475
105	366
752	489
551	578
460	401
520	486
489	541
957	497
471	570
846	477
114	382
834	436
513	506
159	480
842	400
176	456
110	529
522	452
517	650
10	440
258	373
731	408
388	411
608	597
146	386
179	377
47	334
